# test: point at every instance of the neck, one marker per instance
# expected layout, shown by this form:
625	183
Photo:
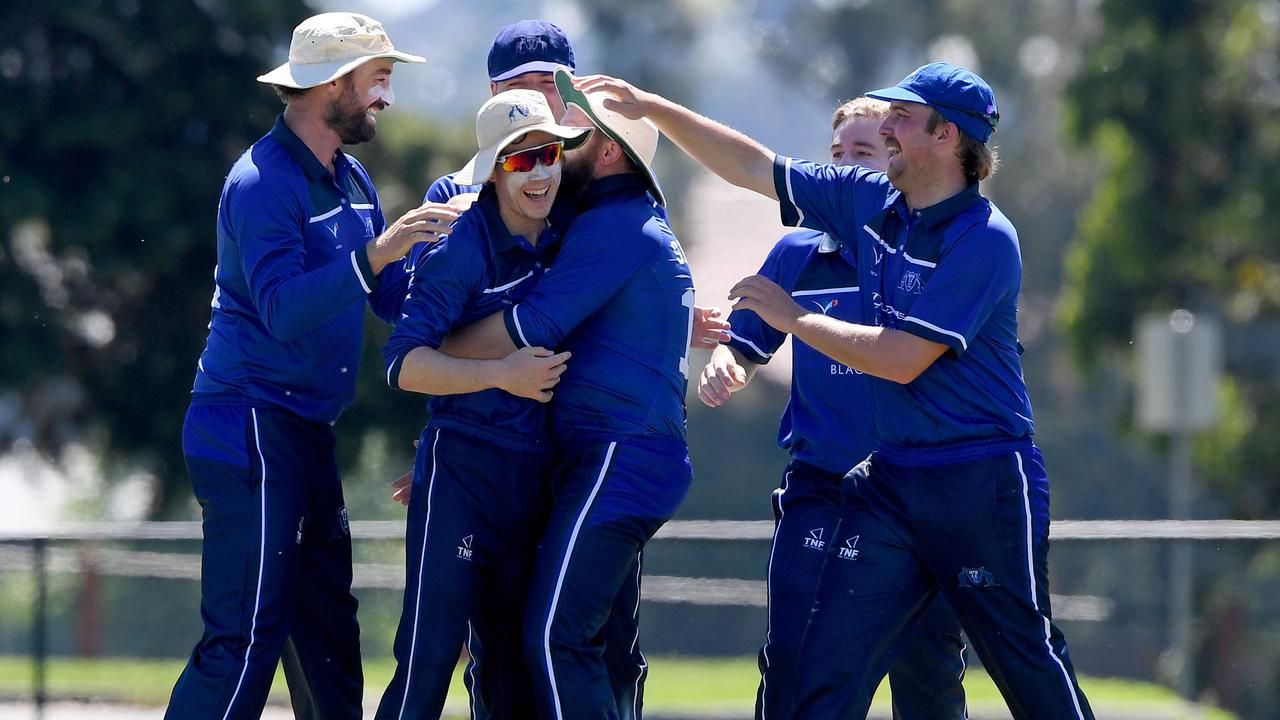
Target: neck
935	192
529	228
308	124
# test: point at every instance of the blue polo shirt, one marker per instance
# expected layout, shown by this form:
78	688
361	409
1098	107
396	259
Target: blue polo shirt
480	269
445	188
827	422
620	298
949	273
292	279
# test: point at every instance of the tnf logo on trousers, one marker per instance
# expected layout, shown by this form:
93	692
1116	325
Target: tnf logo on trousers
814	541
849	551
464	550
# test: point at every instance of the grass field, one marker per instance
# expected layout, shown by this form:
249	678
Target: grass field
676	685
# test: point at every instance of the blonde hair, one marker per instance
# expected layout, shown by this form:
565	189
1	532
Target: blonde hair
860	107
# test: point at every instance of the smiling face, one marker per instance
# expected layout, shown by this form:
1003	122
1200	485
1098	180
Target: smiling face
525	198
857	142
365	92
912	148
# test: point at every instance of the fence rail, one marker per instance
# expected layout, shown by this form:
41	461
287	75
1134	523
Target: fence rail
724	530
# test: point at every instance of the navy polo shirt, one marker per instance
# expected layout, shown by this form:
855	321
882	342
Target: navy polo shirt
478	270
949	273
827	422
292	279
445	188
620	298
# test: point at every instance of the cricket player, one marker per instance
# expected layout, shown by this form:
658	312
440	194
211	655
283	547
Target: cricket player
827	429
620	299
302	246
481	493
955	498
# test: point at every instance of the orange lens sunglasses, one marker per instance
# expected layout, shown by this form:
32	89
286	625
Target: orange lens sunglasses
525	160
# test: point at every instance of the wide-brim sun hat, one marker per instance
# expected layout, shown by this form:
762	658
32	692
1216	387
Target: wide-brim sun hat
327	46
637	138
505	117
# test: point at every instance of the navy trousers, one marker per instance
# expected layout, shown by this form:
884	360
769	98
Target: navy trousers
276	568
976	531
610	497
926	680
476	513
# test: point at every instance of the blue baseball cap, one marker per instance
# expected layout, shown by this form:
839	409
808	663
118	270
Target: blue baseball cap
960	95
529	46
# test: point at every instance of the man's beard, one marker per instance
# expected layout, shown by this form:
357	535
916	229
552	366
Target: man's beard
579	169
346	117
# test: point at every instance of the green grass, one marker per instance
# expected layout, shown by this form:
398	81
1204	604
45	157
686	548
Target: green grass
676	684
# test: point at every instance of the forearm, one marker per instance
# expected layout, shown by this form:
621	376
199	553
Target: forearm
292	306
429	371
485	338
885	353
721	149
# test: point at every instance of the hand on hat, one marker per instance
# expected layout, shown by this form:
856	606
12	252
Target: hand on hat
628	100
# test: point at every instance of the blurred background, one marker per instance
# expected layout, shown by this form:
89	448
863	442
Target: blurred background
1140	142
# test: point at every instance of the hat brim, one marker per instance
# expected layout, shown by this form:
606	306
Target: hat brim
571	95
890	94
308	75
470	174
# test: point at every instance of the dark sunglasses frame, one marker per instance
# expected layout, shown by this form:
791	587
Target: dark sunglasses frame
539	153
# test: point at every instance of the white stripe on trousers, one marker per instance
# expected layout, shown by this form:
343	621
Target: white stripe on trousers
564	566
422	561
635	641
768	612
262	553
1031	575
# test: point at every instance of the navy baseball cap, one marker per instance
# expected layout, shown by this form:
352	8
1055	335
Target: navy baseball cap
529	46
960	95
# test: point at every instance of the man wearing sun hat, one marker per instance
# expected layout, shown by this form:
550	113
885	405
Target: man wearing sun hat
302	247
480	489
620	299
523	56
955	498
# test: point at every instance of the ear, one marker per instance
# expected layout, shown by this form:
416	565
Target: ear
946	132
493	88
612	153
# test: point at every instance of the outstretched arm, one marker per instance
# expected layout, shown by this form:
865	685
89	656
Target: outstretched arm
721	149
484	338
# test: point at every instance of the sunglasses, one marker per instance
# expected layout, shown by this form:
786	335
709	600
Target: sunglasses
525	160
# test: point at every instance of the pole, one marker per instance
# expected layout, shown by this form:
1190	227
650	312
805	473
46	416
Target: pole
1180	496
39	632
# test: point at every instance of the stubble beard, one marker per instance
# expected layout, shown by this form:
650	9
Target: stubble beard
347	118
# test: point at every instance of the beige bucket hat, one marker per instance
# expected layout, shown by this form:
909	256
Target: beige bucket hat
505	117
329	45
637	138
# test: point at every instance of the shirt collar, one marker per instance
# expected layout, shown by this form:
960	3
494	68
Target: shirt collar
300	152
940	212
500	238
628	183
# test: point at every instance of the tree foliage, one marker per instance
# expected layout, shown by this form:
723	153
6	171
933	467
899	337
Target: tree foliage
121	121
1179	99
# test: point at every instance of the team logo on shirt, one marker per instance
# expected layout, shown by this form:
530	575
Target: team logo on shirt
833	302
977	577
911	282
334	230
849	551
886	314
814	541
464	550
368	227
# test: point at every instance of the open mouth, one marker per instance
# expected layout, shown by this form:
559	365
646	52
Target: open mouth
375	108
537	194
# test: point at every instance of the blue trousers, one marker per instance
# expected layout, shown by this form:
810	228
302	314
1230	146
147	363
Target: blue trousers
476	513
926	680
610	497
275	576
976	531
